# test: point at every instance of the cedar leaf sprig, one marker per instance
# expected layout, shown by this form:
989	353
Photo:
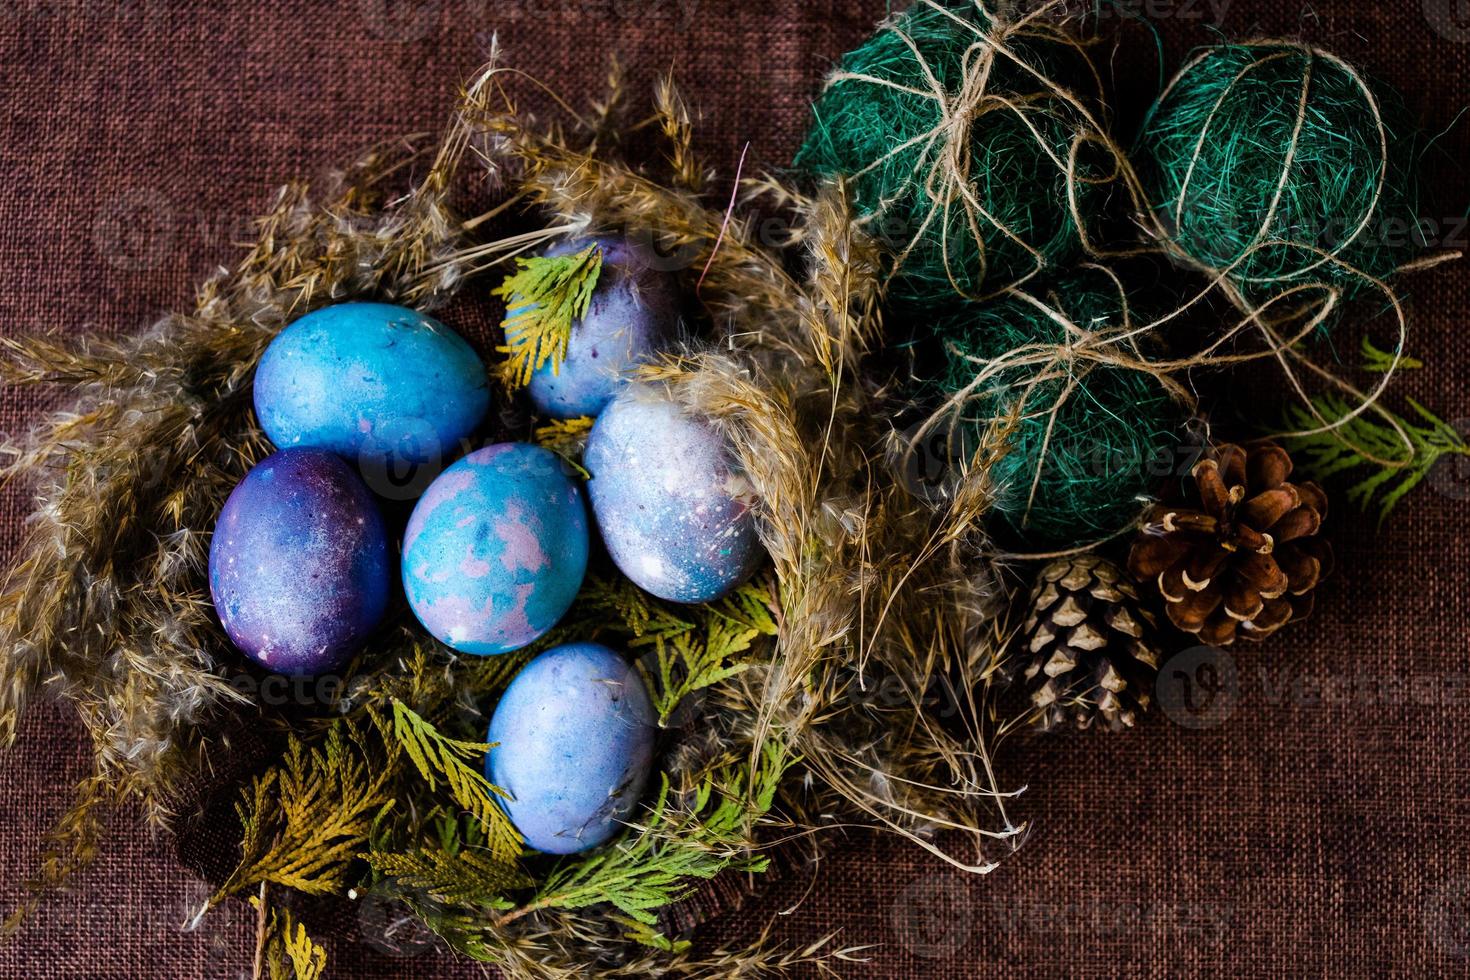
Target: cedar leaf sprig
630	609
545	297
658	864
290	953
567	438
307	818
437	756
1365	442
1324	456
451	875
690	661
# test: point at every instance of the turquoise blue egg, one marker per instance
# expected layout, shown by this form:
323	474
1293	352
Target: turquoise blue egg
381	385
633	314
673	507
572	743
299	565
496	549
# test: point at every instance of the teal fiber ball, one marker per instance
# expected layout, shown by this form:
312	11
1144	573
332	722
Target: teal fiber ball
1262	160
879	132
1071	473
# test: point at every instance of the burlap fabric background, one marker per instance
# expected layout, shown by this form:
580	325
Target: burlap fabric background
1319	830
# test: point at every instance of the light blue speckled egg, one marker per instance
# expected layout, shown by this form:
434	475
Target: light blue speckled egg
299	565
572	744
633	314
496	548
672	506
382	385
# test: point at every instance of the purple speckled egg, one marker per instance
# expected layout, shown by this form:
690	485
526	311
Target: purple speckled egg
496	548
633	314
673	507
299	562
572	743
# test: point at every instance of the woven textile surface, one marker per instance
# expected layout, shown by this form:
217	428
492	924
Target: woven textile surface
1320	830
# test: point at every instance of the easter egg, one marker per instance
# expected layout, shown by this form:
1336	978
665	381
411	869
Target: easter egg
572	743
382	385
633	313
495	549
299	562
672	506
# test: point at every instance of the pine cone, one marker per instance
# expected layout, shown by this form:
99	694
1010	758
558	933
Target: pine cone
1243	556
1089	645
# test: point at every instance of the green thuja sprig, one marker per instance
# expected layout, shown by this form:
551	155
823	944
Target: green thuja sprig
437	756
545	297
691	661
708	651
1324	456
673	849
307	818
567	438
632	611
289	952
752	605
1373	442
453	876
307	958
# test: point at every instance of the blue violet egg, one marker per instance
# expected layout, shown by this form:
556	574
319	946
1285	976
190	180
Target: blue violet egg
673	507
383	386
299	565
633	314
572	743
496	548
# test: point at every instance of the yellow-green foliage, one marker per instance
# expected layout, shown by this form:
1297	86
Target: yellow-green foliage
545	296
439	757
1398	453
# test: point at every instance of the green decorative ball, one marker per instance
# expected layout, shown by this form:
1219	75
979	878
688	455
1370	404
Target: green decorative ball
958	239
1263	160
1074	473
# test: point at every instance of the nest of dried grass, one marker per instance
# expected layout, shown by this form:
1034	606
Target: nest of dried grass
878	598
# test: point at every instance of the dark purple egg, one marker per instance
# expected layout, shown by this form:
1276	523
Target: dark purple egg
299	567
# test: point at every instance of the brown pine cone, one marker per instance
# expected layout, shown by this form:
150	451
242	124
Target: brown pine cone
1242	557
1088	647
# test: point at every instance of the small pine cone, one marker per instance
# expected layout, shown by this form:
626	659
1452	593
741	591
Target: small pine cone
1088	646
1241	556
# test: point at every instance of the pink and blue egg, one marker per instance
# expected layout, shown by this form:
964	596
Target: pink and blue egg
633	314
496	549
673	507
299	565
572	742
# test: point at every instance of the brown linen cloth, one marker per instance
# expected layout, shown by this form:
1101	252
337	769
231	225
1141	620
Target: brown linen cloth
1321	830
